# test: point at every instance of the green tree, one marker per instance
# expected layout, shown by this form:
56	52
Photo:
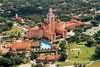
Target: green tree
62	51
18	60
63	56
11	59
3	20
33	55
85	18
96	56
6	62
28	7
97	37
65	18
10	24
63	45
95	22
89	43
4	28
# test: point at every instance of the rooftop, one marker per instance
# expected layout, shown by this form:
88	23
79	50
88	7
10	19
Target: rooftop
23	44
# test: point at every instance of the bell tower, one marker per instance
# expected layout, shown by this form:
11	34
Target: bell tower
51	23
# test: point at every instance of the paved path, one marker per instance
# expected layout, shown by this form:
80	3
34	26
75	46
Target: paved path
68	66
25	65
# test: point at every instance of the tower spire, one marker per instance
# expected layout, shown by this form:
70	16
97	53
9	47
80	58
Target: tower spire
50	16
51	22
16	15
50	10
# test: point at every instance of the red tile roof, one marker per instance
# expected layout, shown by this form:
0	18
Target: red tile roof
20	45
73	23
25	44
60	28
48	57
34	44
34	32
52	57
47	30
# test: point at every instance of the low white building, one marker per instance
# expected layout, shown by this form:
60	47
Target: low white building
70	34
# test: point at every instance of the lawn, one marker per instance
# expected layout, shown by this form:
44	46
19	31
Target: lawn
78	54
83	54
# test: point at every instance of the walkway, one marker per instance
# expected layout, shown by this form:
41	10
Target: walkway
25	65
68	66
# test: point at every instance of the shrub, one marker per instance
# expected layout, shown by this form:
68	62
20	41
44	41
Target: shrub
96	56
85	18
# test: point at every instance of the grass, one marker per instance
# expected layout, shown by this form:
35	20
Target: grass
81	56
84	55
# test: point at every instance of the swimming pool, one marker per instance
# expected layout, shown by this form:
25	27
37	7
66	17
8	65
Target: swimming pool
45	44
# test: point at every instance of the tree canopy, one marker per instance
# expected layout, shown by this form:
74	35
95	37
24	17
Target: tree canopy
26	7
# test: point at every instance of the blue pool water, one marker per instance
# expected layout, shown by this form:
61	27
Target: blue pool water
45	44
